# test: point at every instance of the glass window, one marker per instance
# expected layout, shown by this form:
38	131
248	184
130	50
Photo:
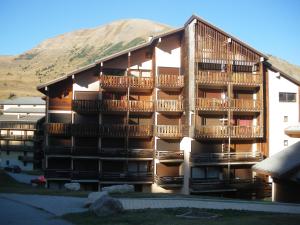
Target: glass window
285	142
287	97
285	119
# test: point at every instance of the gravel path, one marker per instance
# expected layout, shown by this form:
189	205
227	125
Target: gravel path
59	205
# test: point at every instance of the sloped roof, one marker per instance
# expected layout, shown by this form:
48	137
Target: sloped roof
25	110
284	164
40	87
25	118
23	101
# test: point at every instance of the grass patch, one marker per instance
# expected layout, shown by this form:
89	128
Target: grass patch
168	217
9	185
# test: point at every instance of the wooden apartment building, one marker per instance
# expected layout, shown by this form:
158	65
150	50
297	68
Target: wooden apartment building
184	112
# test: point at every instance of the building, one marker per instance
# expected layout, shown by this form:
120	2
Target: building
283	167
21	132
185	112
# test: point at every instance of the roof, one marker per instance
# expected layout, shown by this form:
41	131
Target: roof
288	70
283	164
16	118
40	87
25	110
23	101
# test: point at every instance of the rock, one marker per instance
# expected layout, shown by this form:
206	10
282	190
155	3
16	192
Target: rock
106	206
125	188
72	186
93	196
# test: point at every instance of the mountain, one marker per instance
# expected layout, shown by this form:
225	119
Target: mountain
54	57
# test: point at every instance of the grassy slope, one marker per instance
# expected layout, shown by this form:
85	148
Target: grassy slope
168	217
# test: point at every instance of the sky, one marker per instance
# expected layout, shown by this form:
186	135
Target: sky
270	26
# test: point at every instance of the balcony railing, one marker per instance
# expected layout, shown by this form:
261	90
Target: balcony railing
170	81
143	153
85	151
212	78
140	130
114	106
246	105
85	175
58	174
58	150
85	130
141	106
169	181
114	81
226	157
127	176
246	79
59	129
169	131
17	126
17	137
60	104
86	106
170	155
121	82
169	105
226	131
214	185
116	130
211	104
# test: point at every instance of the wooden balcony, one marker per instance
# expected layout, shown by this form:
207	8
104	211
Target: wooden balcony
169	106
130	154
211	104
224	158
170	81
140	130
59	174
170	156
209	78
169	131
232	185
60	104
58	129
85	106
85	130
246	105
18	125
246	79
114	82
116	130
58	150
237	132
85	175
85	151
114	106
141	83
15	137
141	106
119	177
169	181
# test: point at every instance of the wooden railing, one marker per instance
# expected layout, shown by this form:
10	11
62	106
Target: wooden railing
169	180
211	104
212	78
170	155
85	151
226	131
170	81
114	81
85	175
226	157
141	106
245	105
169	105
85	130
143	153
246	79
127	176
58	150
87	106
60	104
114	105
116	130
169	131
58	173
60	129
17	125
141	82
140	130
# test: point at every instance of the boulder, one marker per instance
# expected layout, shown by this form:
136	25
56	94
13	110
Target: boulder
124	188
93	196
106	206
72	186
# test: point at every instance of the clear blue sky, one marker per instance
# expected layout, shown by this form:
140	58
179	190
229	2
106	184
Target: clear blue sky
270	26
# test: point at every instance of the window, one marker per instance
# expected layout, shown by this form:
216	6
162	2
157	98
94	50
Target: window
285	143
287	97
285	119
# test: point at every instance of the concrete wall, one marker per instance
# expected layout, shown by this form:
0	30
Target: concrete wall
278	110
